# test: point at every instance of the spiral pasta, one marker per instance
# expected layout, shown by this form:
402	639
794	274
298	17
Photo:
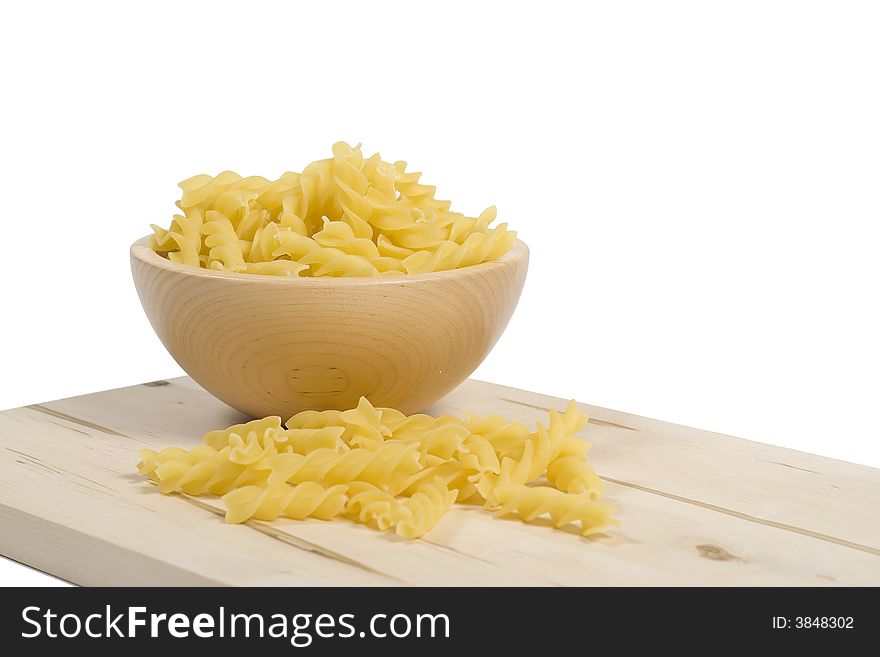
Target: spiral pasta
563	508
573	475
387	466
305	500
202	470
410	517
420	513
347	215
380	467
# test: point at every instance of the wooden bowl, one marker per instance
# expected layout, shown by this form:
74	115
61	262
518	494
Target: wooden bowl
269	345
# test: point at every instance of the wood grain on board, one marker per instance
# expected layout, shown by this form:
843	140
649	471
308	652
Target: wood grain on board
696	508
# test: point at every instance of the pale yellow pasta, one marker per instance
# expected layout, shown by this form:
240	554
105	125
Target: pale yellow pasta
151	459
274	268
267	427
364	426
304	441
315	420
379	466
391	466
212	473
531	502
476	454
442	441
371	506
420	513
306	500
347	215
522	465
225	248
504	435
410	517
462	481
573	475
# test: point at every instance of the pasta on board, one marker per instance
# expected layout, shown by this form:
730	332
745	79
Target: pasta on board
387	470
347	215
307	500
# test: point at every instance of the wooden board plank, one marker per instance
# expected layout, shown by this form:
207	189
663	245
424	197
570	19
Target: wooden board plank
696	508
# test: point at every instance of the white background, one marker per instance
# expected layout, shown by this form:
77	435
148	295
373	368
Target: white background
698	183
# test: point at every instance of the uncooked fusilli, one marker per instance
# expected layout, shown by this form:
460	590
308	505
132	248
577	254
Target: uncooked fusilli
344	216
387	470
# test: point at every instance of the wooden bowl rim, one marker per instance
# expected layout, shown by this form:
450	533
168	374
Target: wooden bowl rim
142	252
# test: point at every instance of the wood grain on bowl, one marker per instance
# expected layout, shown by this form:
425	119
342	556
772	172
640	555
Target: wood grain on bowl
269	345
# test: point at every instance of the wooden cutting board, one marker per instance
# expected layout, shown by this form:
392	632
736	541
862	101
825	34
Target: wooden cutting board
696	508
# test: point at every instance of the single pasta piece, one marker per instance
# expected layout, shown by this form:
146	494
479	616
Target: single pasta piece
364	426
371	506
442	441
151	459
410	517
377	466
563	508
476	454
315	420
304	441
213	473
345	216
386	466
420	513
573	475
265	428
306	500
505	436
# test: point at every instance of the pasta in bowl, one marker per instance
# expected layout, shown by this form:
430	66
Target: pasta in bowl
347	215
275	307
